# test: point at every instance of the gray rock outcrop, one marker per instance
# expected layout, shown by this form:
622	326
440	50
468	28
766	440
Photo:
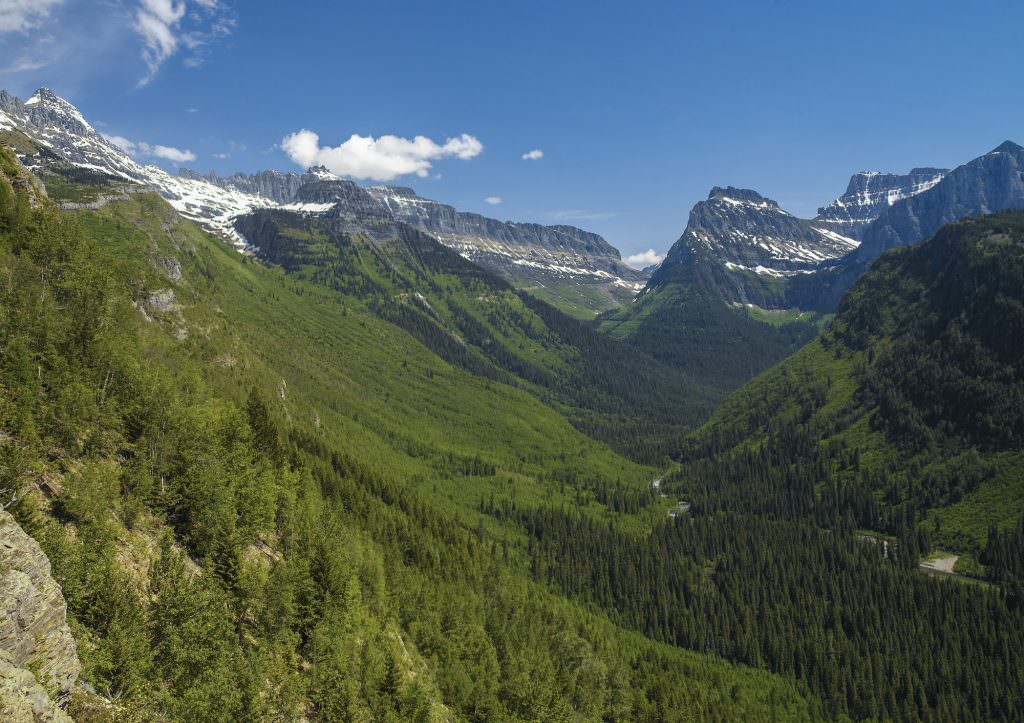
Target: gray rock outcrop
34	632
870	194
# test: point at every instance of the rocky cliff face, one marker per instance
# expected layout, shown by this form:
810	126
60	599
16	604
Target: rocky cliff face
742	231
277	186
527	253
869	194
34	633
993	182
990	183
443	220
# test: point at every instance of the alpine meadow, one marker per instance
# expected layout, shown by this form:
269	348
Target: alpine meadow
295	428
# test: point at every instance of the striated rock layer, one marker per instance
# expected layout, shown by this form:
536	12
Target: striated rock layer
34	633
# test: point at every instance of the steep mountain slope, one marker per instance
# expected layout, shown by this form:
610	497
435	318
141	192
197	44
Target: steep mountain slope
744	231
911	403
736	252
870	194
993	182
475	320
687	324
64	138
809	498
577	271
741	250
263	501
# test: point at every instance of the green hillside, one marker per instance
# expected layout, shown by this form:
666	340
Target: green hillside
266	497
810	496
479	323
684	321
911	402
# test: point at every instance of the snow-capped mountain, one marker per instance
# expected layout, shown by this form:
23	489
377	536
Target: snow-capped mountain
530	255
512	248
744	231
870	193
278	186
56	125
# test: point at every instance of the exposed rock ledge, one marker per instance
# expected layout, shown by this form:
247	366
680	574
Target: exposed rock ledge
34	633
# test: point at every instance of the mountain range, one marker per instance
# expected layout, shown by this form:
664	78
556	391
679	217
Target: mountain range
577	271
746	283
361	471
742	258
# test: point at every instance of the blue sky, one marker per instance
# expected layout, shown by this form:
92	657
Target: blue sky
638	107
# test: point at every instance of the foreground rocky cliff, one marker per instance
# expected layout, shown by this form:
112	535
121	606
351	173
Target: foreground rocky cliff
38	657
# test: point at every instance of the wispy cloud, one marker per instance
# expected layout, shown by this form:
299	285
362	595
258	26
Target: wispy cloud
24	65
493	200
17	16
157	22
535	155
145	150
380	159
167	26
642	260
577	214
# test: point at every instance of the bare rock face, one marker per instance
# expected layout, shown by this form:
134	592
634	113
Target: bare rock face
34	633
22	698
870	194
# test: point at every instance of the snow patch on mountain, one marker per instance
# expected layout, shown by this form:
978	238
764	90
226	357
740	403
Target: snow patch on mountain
870	193
215	202
56	124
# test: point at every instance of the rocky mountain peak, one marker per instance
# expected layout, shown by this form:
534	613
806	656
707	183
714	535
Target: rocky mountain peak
990	183
1007	147
739	232
347	197
870	193
321	173
742	195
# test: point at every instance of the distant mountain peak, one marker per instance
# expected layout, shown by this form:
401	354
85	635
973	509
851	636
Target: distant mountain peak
741	233
870	193
741	195
323	173
1007	147
44	95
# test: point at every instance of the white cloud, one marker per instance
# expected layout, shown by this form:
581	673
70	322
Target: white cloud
122	143
493	200
157	22
379	159
171	154
535	155
25	65
20	15
145	150
165	26
644	259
